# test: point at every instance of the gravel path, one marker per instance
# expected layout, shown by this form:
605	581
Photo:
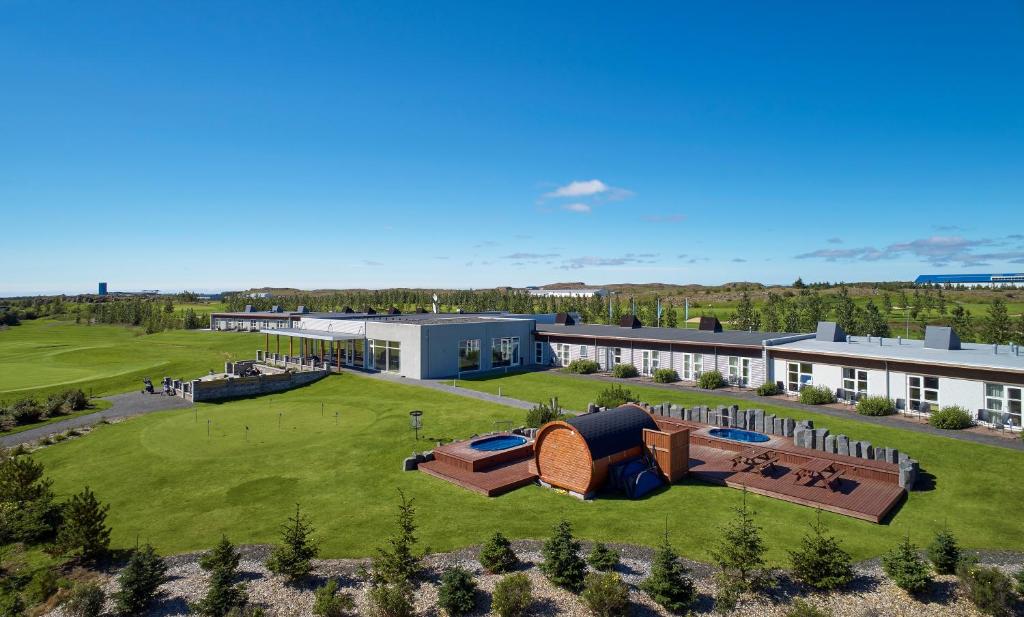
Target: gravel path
871	595
122	406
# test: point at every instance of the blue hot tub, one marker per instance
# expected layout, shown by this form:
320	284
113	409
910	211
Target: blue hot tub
738	434
498	442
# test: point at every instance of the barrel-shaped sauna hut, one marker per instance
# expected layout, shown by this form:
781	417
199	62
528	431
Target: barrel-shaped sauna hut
575	454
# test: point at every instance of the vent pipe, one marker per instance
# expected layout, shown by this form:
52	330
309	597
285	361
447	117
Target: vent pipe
899	340
869	338
848	338
880	339
995	348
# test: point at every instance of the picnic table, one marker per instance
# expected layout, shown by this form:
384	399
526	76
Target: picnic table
818	469
761	459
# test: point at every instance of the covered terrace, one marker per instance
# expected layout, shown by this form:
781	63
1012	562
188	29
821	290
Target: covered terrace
340	344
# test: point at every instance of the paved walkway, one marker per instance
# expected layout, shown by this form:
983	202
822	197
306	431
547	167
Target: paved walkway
445	385
122	406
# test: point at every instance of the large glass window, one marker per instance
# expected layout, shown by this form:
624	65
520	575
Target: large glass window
504	351
354	353
692	365
739	371
616	355
538	353
583	351
562	353
386	355
922	393
469	355
855	381
799	375
1003	400
649	361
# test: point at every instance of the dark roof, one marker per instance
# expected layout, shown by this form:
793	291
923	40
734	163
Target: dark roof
1006	277
613	430
565	319
667	335
630	321
710	324
394	311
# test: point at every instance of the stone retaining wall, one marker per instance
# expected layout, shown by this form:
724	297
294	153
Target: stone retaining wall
237	387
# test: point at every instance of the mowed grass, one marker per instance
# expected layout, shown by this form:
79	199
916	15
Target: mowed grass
44	355
168	483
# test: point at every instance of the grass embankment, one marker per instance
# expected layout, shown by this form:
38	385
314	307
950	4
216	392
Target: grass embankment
168	483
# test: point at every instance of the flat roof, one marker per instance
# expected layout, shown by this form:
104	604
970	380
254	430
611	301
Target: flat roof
978	355
321	335
1007	277
735	338
258	315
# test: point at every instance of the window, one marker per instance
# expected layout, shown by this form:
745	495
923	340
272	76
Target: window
692	365
562	353
354	353
739	371
504	351
583	351
649	361
799	375
922	393
1003	400
616	355
252	324
386	355
855	381
538	353
469	355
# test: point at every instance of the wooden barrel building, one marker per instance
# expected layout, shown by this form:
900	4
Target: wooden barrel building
575	454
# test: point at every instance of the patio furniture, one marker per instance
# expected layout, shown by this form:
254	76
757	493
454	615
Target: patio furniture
751	458
817	469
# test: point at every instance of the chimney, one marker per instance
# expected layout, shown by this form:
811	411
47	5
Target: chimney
941	337
630	321
710	324
830	332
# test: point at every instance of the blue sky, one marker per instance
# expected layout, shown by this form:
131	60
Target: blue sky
226	145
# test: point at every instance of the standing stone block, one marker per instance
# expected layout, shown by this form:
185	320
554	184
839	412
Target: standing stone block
769	424
892	455
855	449
880	454
843	445
830	444
713	419
790	425
867	451
819	438
798	437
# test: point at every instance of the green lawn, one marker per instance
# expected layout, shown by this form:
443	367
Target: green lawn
44	355
169	484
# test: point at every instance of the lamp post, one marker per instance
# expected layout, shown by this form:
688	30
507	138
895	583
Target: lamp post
416	421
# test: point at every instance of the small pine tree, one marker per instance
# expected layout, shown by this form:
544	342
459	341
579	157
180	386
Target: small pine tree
457	594
85	600
391	600
906	568
740	551
397	563
327	602
606	595
293	557
669	583
223	594
513	596
84	532
944	552
139	580
496	555
819	561
603	558
563	565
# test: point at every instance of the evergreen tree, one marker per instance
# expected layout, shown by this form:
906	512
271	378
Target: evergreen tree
27	509
671	318
812	310
944	552
84	532
563	565
139	581
669	583
887	304
846	311
819	561
327	602
457	594
292	558
997	328
1018	331
740	550
496	555
603	558
771	313
223	594
872	321
746	317
398	563
960	320
906	568
799	283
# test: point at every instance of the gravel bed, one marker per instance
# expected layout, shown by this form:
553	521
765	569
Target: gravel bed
871	594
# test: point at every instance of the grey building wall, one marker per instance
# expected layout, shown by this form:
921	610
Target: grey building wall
408	336
440	344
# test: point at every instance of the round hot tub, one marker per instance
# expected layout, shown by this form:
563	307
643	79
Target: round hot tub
738	434
497	442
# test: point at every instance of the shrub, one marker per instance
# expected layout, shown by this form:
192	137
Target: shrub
1020	581
513	596
26	411
583	366
11	605
624	371
906	568
801	608
223	595
53	405
391	600
292	558
820	562
85	600
562	563
457	595
767	389
952	418
140	580
876	406
669	583
496	555
816	395
542	413
327	602
398	563
606	595
944	552
989	589
84	532
27	509
709	380
41	586
614	396
665	375
75	400
603	558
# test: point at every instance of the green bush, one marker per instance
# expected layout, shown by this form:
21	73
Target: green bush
615	396
767	389
391	600
512	596
906	568
606	595
53	405
496	555
11	605
801	608
457	595
562	564
28	512
816	395
876	406
952	418
75	400
1019	576
84	532
709	380
669	583
85	600
603	558
820	562
665	375
398	562
292	558
582	366
327	602
43	584
542	413
140	579
944	552
989	589
222	595
624	371
26	411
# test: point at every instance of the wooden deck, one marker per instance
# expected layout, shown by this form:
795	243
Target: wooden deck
490	482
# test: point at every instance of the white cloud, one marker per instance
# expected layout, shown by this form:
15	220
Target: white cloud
580	188
578	207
